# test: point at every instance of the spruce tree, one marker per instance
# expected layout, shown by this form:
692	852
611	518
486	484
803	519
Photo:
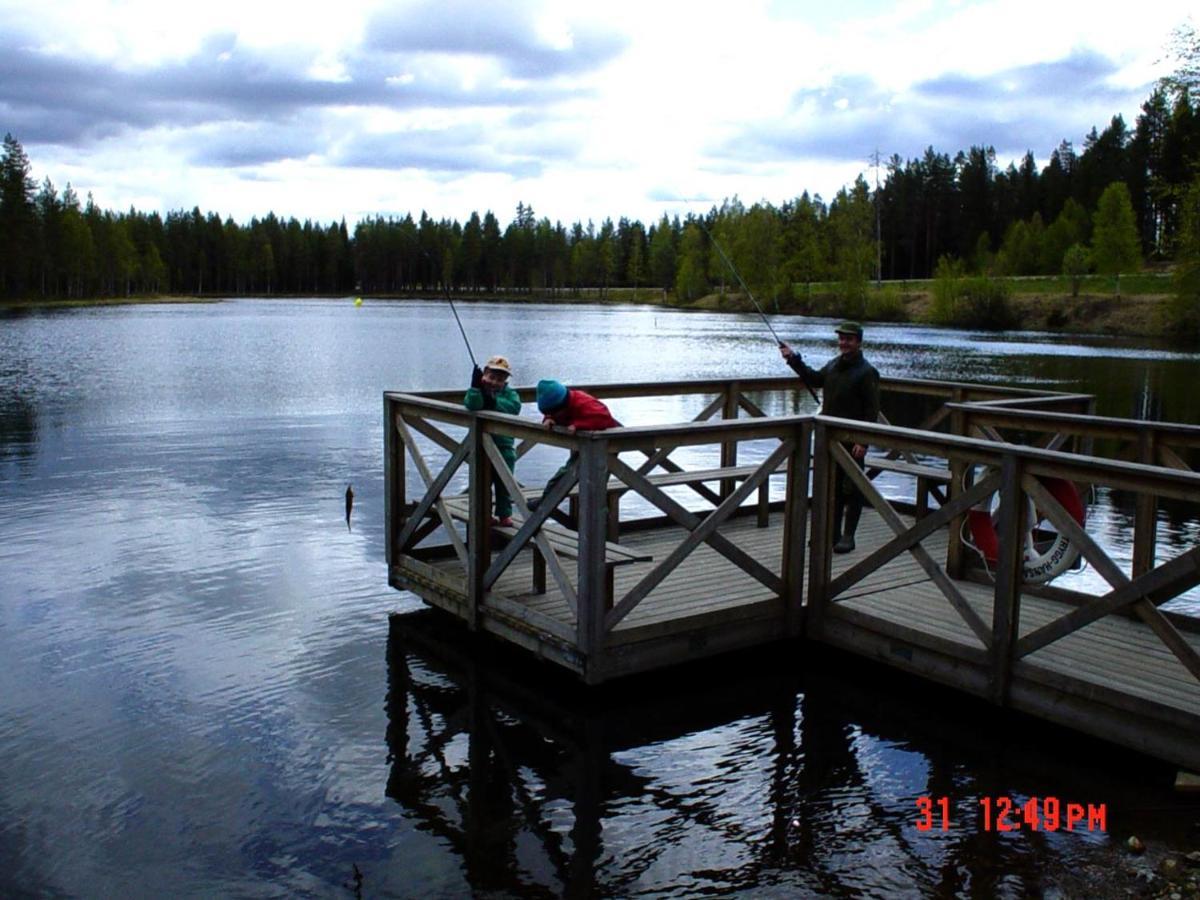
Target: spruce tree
17	220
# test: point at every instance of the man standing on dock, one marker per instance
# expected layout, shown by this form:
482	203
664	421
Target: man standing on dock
851	392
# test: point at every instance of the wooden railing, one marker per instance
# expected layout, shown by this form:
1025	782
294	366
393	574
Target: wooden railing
432	439
1017	473
730	398
598	472
791	440
1165	444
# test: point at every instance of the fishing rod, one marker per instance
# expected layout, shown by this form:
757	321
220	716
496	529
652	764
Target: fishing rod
745	287
460	325
454	309
749	293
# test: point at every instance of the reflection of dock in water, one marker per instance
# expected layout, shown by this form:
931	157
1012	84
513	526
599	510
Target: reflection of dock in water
767	771
582	583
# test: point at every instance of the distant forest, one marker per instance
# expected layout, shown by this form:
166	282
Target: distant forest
1114	204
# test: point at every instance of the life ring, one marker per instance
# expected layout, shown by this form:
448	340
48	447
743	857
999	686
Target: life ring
1042	560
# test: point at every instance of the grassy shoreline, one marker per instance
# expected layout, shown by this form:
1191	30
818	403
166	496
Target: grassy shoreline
1143	315
87	302
1140	310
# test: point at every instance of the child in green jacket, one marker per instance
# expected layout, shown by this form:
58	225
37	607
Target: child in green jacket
489	390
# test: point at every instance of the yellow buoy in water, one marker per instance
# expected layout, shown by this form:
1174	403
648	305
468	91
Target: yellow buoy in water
358	301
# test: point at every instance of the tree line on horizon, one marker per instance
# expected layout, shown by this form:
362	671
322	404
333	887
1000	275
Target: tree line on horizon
1120	201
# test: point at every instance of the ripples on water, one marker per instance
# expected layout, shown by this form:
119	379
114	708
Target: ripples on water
198	697
762	772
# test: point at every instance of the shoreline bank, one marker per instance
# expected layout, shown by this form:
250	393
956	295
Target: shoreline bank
1137	315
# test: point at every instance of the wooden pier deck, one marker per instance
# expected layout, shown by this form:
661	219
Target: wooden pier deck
694	583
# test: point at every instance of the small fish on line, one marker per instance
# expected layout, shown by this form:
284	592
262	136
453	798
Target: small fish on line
349	504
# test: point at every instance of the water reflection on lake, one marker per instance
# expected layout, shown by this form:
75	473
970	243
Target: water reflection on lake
198	697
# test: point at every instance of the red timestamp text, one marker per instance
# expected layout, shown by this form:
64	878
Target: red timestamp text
1007	814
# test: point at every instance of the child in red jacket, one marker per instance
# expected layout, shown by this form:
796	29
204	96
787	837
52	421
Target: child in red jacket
574	410
571	408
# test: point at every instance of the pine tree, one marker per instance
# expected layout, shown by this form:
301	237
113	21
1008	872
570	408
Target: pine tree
662	254
18	222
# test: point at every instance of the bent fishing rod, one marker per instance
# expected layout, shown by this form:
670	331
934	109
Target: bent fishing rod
462	330
453	309
750	294
738	276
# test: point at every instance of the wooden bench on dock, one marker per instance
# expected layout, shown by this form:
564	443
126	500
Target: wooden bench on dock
563	541
929	478
692	478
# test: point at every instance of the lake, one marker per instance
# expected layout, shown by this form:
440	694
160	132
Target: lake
198	696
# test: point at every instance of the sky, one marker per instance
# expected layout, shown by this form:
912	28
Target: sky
582	110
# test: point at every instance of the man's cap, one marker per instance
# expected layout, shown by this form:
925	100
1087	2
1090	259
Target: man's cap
500	364
850	328
550	395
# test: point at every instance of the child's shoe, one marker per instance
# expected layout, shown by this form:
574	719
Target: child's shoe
504	522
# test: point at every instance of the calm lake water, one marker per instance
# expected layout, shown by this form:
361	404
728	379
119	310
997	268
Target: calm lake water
198	696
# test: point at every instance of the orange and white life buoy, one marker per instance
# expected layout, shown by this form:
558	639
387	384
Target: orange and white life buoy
1043	560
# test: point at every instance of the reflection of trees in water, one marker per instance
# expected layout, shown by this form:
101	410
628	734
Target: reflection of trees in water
18	416
754	770
1128	387
18	423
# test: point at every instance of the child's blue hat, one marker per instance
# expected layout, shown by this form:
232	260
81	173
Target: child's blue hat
550	395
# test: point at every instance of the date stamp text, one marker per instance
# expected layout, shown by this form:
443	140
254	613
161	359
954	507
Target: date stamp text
1015	814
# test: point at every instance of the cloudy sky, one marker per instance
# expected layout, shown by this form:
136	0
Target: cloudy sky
356	108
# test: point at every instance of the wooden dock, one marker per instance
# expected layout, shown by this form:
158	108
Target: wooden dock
603	596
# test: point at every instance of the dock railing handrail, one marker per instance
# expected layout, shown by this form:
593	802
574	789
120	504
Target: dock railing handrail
1015	472
597	612
951	391
1041	400
1174	433
730	419
1150	442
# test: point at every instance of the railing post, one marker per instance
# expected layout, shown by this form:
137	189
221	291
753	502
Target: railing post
795	529
821	543
593	523
479	521
1006	603
1085	446
729	449
1145	527
393	502
955	551
393	479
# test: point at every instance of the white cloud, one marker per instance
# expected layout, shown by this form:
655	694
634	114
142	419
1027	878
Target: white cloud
583	110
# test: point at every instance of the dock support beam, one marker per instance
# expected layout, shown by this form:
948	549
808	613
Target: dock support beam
479	522
593	527
795	529
1006	605
821	548
393	474
955	551
729	449
1145	522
